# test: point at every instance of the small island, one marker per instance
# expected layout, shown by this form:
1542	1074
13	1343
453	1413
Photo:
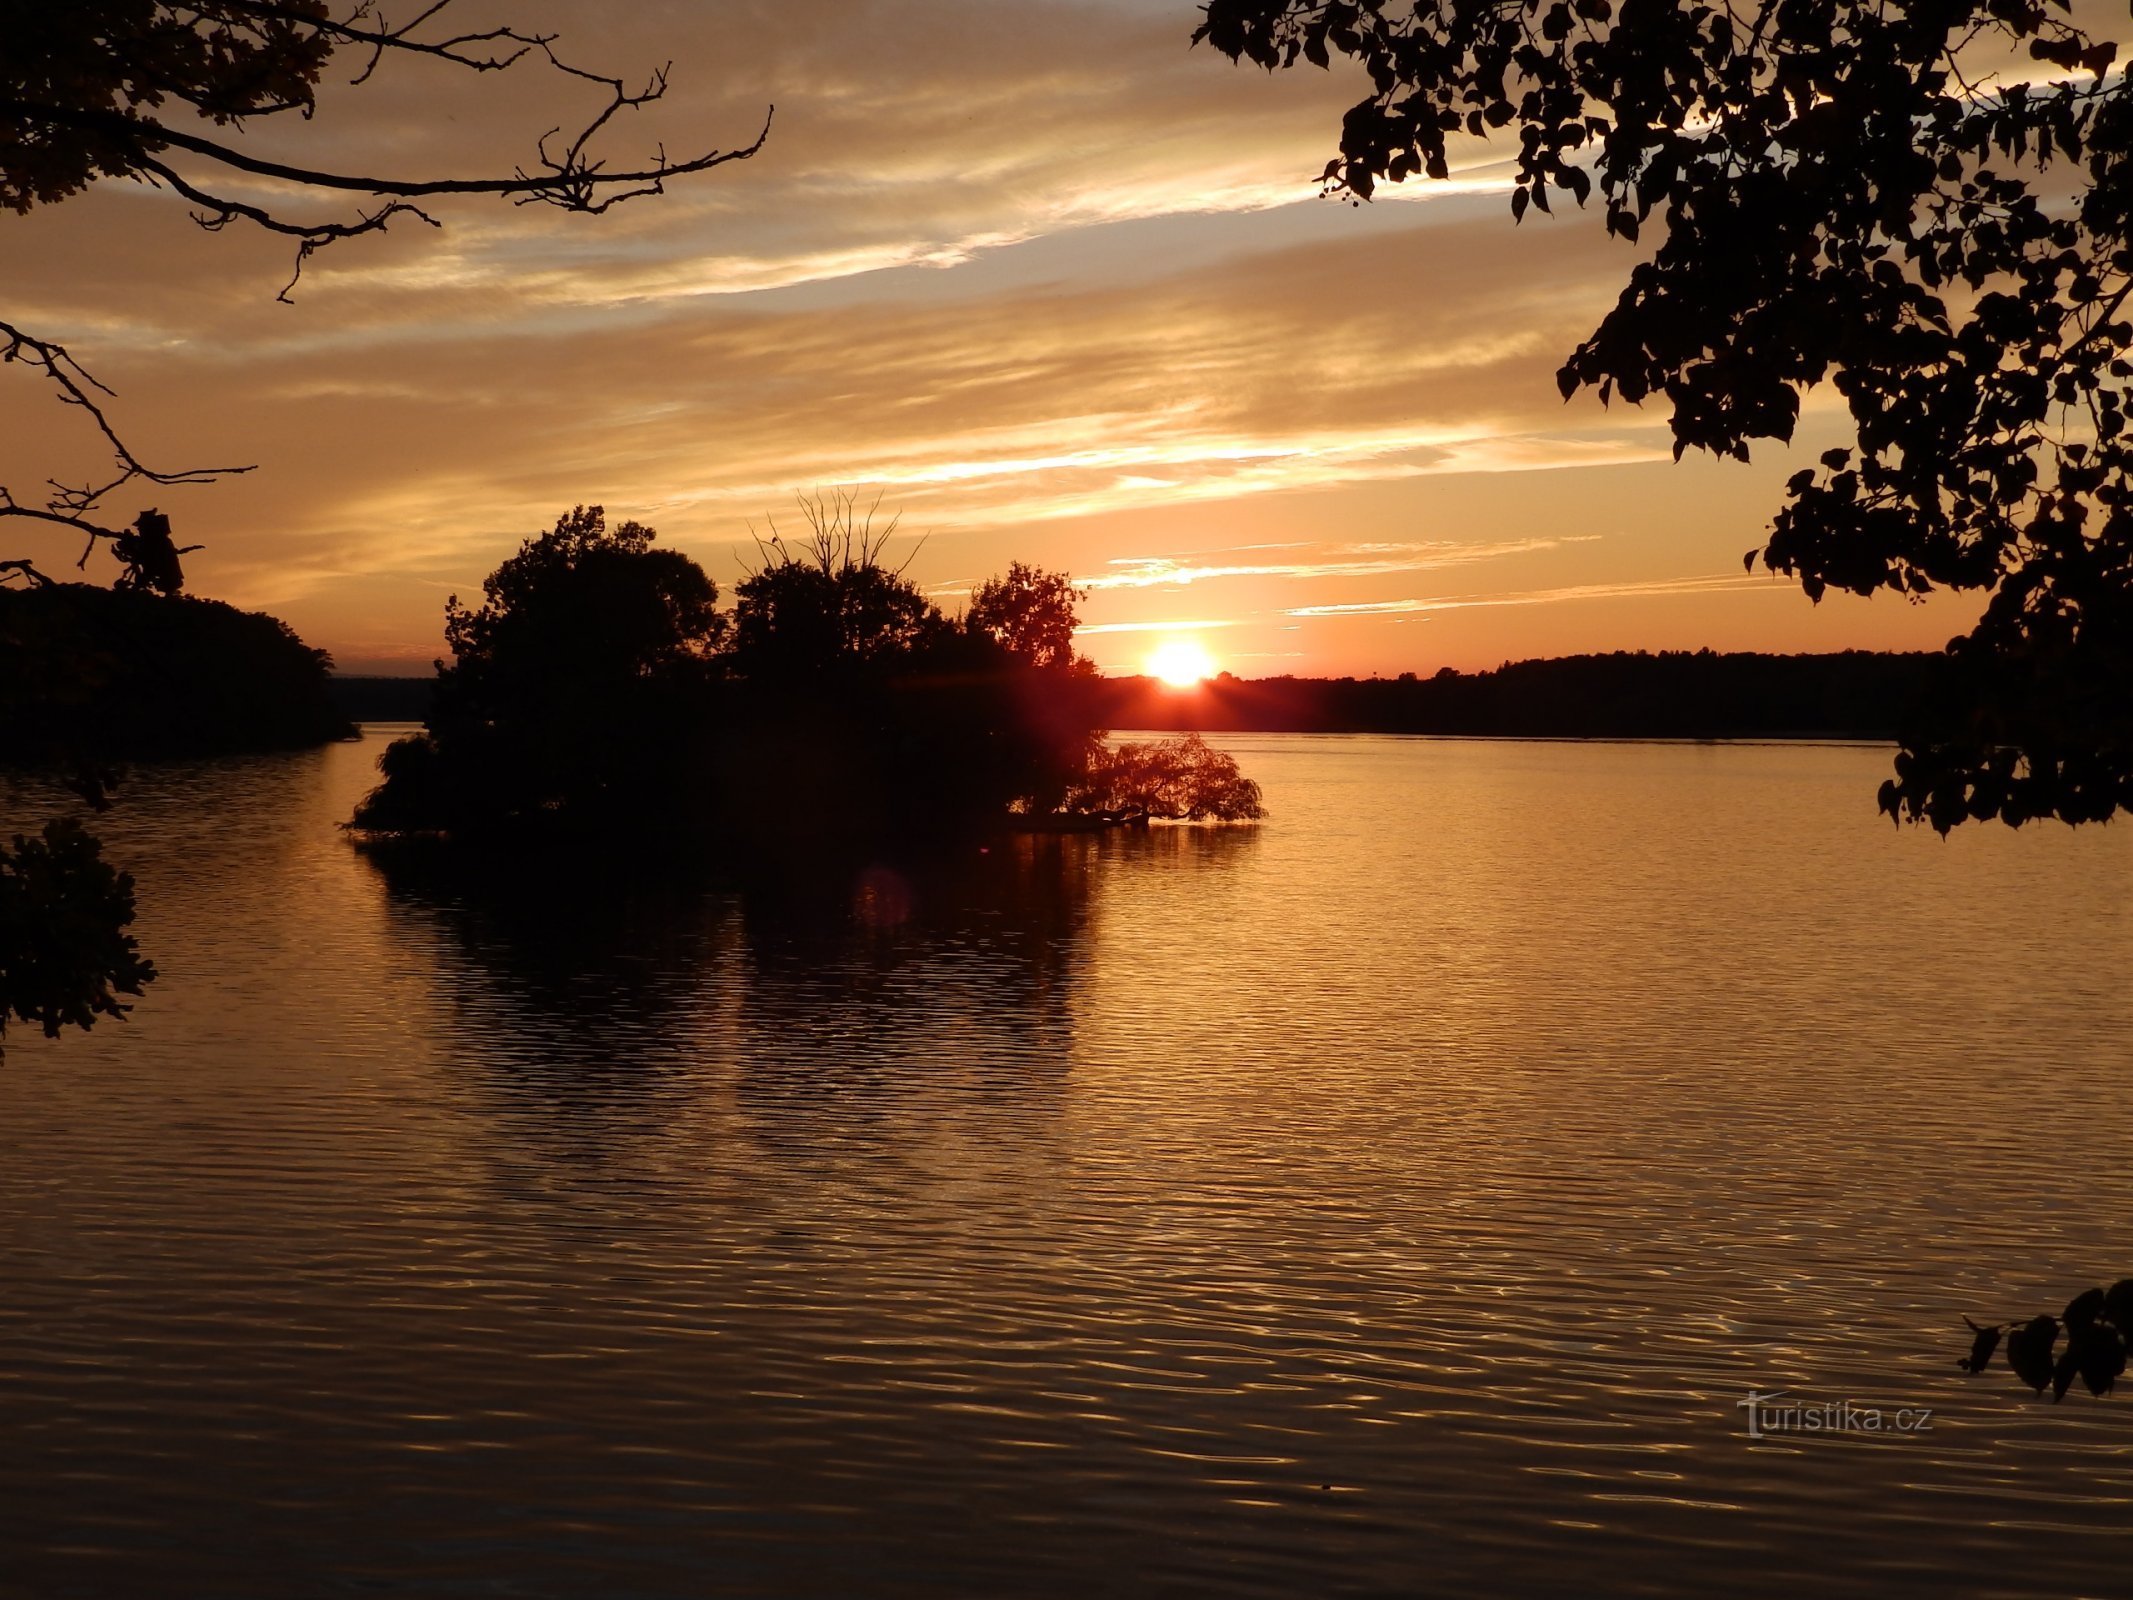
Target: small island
600	694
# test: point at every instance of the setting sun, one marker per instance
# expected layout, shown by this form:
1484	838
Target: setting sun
1181	663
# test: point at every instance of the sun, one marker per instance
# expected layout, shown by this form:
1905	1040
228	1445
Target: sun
1181	663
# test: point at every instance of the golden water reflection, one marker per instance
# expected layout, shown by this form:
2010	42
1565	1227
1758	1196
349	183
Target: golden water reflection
1397	1197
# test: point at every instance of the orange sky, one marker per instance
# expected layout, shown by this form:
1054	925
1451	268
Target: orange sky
1050	282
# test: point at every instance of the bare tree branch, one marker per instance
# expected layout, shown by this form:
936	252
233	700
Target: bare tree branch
74	506
98	113
567	182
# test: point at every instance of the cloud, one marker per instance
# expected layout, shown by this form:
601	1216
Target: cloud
1195	626
1359	608
1049	279
1715	583
1143	572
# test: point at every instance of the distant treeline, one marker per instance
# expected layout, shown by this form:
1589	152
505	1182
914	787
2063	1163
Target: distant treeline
125	674
1676	694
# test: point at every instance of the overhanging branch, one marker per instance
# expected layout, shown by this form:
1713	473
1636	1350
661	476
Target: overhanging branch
94	105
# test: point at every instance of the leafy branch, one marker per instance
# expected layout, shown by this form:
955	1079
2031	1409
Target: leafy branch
2097	1324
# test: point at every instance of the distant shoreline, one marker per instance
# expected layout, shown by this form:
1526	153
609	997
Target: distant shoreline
1851	696
1771	741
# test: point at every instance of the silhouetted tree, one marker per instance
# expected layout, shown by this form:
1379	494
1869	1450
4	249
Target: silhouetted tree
827	604
1029	616
1029	613
569	689
891	720
1181	779
1841	194
65	956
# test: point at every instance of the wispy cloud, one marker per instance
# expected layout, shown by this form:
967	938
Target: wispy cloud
1713	583
1147	572
1051	280
1193	626
1359	608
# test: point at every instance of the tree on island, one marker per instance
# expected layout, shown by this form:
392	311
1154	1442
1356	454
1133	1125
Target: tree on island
1840	194
1181	779
575	668
828	605
146	91
1029	613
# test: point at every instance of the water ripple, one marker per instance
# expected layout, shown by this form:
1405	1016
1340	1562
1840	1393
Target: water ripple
1401	1196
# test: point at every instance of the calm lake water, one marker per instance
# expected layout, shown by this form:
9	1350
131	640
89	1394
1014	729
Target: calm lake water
1399	1197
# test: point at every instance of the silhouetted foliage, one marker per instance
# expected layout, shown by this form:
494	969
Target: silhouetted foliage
2097	1324
898	722
827	606
568	686
1182	779
65	956
598	692
102	675
1840	202
1029	613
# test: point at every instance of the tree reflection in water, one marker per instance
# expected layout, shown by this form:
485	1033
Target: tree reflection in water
822	1015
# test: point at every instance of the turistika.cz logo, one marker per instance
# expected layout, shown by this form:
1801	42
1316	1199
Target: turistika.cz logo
1775	1414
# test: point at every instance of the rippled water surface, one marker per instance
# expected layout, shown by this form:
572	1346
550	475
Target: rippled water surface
1399	1197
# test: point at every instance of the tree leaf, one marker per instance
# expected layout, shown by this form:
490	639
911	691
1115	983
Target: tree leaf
2029	1351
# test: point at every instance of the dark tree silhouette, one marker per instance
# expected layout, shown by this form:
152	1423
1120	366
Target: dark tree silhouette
1845	191
1028	613
1181	779
567	687
827	604
890	722
65	955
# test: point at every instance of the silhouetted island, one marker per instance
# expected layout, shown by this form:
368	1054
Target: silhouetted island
129	674
599	701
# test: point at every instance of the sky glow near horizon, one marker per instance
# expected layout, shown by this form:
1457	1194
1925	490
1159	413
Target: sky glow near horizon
1055	286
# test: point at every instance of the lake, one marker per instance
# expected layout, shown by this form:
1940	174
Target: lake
1399	1196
